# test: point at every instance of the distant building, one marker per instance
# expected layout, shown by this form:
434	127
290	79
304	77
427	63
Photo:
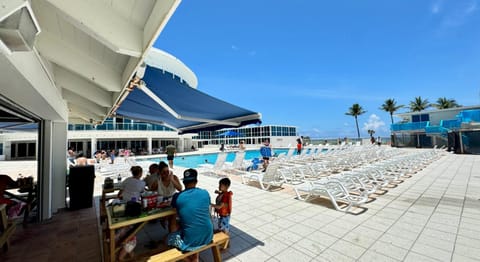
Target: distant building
140	138
456	128
279	136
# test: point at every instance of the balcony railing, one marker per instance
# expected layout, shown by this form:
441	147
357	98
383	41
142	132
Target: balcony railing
468	116
409	126
451	124
119	127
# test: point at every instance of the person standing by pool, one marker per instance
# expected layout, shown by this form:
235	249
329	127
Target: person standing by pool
171	151
112	156
266	152
299	146
242	145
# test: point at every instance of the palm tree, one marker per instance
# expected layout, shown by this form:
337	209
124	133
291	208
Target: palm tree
444	103
419	104
371	132
390	105
355	110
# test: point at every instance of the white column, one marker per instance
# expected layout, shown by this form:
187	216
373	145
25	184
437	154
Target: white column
7	150
180	146
461	141
45	174
85	147
52	167
59	166
149	139
94	146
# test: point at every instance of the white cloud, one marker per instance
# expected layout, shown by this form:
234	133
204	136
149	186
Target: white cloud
374	123
435	8
234	48
472	7
459	15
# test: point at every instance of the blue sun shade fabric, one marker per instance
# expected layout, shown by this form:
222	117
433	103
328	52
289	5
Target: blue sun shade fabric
185	101
18	126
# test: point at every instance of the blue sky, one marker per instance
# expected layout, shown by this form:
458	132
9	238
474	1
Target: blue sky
305	62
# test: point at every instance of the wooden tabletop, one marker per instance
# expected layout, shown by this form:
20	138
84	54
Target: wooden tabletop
119	222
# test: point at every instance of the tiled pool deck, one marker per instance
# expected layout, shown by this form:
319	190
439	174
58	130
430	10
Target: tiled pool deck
432	216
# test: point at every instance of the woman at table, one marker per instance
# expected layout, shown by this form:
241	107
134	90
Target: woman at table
168	183
133	186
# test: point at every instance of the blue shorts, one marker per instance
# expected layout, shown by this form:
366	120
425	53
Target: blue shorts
224	224
174	239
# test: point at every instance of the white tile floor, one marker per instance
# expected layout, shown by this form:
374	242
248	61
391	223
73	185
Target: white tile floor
432	216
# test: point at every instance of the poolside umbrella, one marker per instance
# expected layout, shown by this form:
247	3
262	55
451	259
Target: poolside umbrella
227	133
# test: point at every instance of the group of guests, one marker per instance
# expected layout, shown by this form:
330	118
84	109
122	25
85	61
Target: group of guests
193	226
74	159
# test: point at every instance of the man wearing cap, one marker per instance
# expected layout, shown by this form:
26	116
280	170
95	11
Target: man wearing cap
193	209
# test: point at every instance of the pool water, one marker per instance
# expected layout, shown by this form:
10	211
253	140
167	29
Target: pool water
193	161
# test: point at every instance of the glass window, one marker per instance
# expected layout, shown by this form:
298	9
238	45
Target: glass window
1	148
416	118
424	117
22	149
13	152
31	150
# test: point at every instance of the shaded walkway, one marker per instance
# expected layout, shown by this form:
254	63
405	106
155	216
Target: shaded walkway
68	236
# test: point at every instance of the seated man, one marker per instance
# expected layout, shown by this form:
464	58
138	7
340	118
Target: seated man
81	160
193	209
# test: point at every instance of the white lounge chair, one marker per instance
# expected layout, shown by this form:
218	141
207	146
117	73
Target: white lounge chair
271	177
332	190
238	163
209	169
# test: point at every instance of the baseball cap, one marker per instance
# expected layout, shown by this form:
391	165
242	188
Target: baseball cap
190	175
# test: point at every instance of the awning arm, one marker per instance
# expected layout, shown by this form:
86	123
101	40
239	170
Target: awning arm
159	101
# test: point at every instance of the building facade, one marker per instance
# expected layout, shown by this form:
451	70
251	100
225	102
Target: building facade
456	128
140	138
279	136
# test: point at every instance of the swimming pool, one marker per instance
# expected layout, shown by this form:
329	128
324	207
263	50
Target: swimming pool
192	161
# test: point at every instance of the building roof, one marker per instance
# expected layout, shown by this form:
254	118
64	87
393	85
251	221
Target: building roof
85	53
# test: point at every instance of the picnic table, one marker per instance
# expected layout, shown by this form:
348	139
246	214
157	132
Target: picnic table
26	194
114	223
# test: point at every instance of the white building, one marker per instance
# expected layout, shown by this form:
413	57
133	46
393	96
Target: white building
279	136
457	128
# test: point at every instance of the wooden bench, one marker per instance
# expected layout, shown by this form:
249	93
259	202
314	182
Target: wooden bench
6	228
219	240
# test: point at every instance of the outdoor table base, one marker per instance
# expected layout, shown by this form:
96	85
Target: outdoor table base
114	224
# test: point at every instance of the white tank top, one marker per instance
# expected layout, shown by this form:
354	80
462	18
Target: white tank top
166	191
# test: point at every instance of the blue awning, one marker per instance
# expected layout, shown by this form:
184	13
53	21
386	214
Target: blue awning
18	126
168	100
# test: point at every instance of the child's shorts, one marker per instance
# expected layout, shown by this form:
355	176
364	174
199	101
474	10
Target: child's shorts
224	224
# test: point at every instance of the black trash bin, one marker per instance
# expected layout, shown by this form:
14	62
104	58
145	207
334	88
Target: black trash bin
80	186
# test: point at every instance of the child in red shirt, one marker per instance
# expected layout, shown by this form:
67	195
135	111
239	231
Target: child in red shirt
223	205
